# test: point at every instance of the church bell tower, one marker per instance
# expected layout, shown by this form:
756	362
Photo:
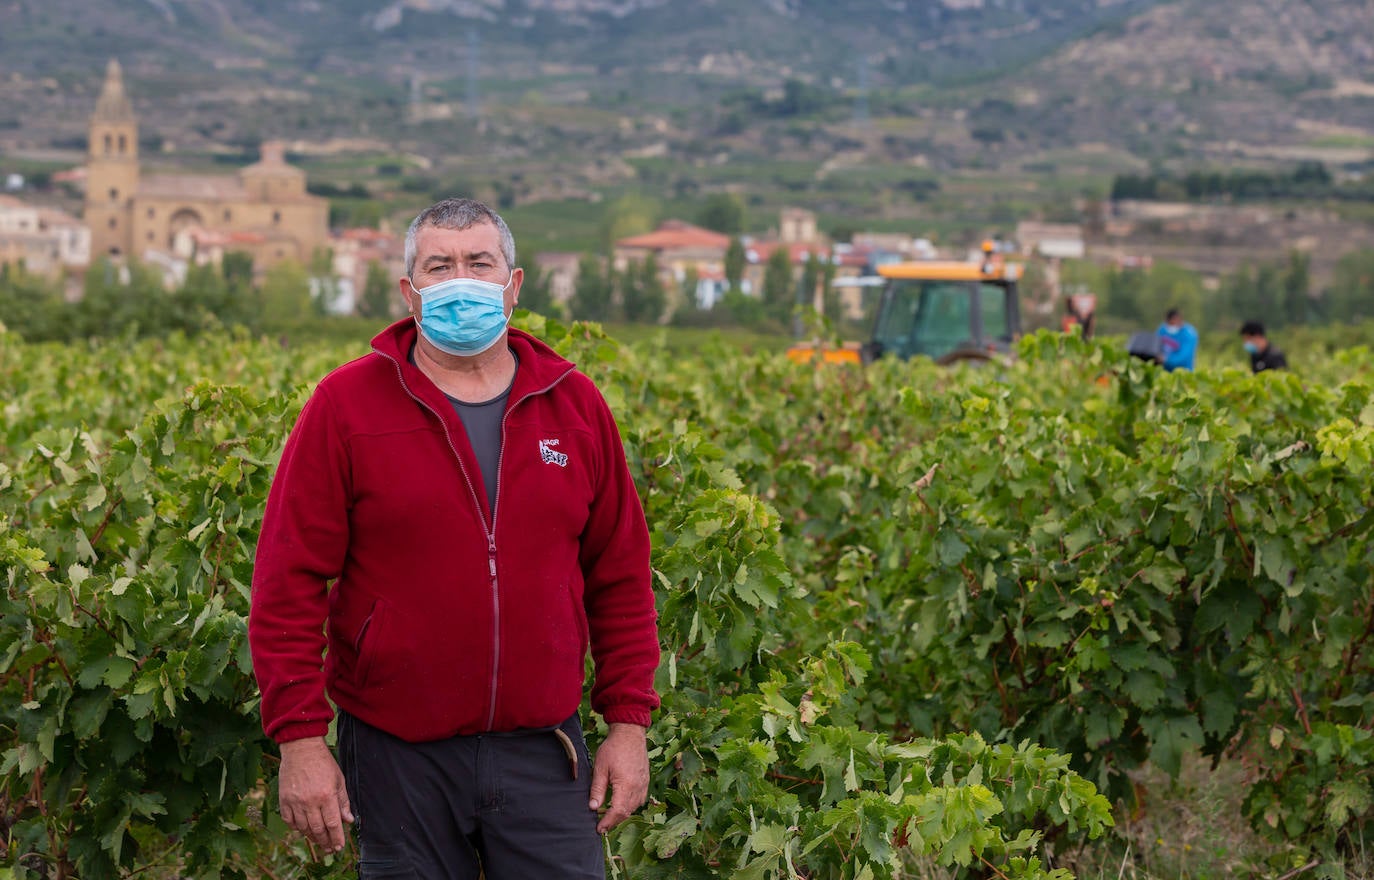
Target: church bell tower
112	168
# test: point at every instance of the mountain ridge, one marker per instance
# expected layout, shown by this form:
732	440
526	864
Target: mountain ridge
935	85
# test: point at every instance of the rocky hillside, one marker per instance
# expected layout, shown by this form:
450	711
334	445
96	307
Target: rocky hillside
816	37
957	81
1260	77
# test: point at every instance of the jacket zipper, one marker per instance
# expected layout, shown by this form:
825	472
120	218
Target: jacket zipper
491	531
491	545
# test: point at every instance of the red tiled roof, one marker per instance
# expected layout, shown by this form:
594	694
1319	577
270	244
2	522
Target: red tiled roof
676	234
798	252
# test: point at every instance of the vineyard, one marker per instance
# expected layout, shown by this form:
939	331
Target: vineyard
910	617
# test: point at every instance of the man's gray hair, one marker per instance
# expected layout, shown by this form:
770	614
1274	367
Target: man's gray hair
458	214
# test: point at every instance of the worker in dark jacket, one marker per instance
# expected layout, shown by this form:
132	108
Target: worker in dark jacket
454	519
1264	355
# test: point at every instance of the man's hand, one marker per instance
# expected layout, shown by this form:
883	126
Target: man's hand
622	762
313	798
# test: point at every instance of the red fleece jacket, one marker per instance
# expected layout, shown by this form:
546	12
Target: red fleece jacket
439	619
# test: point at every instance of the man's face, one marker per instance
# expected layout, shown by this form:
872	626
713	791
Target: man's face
475	252
1175	321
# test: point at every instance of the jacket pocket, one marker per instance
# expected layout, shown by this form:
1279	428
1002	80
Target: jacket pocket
365	644
579	616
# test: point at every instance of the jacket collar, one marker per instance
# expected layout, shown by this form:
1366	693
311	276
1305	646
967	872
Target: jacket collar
540	366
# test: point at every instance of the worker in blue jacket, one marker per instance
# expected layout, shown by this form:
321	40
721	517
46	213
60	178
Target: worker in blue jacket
1177	341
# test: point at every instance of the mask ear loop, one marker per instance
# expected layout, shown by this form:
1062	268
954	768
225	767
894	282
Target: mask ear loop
415	313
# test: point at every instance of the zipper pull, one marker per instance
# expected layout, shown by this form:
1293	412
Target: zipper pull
491	555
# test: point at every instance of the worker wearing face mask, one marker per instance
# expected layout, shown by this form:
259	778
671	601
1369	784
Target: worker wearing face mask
1264	355
1177	341
453	517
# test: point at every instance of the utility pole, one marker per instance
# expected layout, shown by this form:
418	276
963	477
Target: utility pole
861	99
473	101
415	106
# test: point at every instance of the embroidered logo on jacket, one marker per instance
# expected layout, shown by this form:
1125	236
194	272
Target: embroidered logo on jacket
550	455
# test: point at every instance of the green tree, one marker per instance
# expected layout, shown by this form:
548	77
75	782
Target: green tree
723	212
1169	285
120	299
536	292
1122	292
31	306
1295	289
742	309
687	291
237	269
801	99
285	294
1220	309
324	287
377	287
631	214
1141	297
1266	294
1276	295
591	299
204	293
830	296
642	297
810	280
655	292
1351	294
101	292
735	260
355	212
778	286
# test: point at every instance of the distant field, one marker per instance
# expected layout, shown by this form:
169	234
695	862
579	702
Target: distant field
570	225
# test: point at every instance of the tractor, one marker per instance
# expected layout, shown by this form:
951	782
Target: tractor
948	311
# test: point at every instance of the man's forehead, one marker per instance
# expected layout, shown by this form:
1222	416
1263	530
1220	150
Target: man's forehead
478	238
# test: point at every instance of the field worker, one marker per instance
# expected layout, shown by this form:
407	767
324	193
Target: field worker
454	518
1178	341
1264	355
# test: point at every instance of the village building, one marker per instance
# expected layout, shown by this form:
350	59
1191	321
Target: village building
560	268
354	253
47	241
1051	240
690	254
264	210
682	251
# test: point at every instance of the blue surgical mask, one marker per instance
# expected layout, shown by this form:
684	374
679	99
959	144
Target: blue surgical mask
1171	329
463	316
1252	348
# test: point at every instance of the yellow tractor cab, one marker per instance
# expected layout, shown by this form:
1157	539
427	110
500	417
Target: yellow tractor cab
946	310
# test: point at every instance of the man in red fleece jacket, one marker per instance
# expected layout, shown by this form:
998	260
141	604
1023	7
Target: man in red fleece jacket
453	518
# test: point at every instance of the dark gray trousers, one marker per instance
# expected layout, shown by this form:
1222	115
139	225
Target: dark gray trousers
504	805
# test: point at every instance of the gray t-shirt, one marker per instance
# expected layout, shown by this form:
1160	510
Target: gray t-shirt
482	422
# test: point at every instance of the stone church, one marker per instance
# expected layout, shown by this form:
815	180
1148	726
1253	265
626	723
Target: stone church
264	210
